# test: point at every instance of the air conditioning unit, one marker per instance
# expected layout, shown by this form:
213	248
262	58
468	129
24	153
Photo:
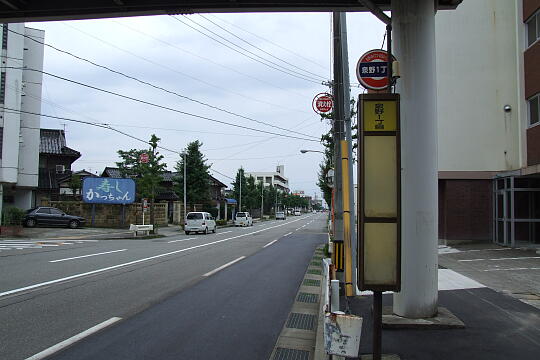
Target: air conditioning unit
60	169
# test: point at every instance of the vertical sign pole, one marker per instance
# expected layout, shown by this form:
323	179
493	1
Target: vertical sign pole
93	213
377	325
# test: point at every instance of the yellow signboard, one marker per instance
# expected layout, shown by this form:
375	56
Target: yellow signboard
379	193
379	115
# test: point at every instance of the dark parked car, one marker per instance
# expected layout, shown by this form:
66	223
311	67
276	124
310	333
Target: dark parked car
49	216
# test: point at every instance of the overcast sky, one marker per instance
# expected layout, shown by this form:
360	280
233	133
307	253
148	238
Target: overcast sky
166	52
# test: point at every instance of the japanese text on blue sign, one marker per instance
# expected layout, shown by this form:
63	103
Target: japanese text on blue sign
373	69
102	190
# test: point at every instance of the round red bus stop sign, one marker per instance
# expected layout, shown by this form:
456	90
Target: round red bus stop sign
323	103
372	70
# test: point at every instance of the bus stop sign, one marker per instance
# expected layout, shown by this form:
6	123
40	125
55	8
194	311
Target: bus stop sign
372	70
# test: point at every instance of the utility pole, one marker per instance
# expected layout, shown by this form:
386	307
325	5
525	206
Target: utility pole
185	180
344	184
262	199
240	177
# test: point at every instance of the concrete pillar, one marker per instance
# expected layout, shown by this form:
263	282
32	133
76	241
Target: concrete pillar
413	23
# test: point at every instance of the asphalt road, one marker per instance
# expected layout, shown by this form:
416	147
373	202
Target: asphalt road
157	299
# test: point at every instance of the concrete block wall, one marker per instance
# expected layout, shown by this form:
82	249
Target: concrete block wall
107	215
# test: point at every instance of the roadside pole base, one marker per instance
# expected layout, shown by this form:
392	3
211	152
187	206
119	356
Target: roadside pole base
384	357
444	319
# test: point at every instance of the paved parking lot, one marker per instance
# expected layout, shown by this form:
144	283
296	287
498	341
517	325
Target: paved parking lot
512	271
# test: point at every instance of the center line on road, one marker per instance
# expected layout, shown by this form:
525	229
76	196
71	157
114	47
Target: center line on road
287	234
85	256
118	266
224	266
226	232
500	259
55	348
180	240
270	243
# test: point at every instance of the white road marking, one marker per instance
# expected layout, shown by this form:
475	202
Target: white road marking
85	256
513	269
55	348
500	259
287	234
97	271
226	232
172	241
270	243
224	266
497	249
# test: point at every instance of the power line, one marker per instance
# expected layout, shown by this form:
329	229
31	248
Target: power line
271	42
162	106
215	63
255	57
104	126
260	49
162	89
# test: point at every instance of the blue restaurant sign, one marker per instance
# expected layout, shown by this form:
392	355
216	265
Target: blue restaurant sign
104	190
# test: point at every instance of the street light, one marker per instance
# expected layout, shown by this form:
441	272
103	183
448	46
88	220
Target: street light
303	151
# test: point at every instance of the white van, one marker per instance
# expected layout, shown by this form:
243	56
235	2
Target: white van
199	222
243	219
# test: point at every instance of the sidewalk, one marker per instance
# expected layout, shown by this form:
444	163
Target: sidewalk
498	325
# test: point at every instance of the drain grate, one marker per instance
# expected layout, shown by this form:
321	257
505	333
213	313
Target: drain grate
301	321
314	272
311	282
290	354
307	298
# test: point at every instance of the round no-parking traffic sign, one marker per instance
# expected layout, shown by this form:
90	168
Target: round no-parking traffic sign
372	70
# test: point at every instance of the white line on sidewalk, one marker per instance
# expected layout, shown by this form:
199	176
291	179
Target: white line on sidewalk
55	348
85	256
513	269
224	266
500	259
270	243
172	241
98	271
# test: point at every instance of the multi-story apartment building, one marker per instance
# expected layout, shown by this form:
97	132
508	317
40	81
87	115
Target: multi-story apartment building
488	75
20	100
276	179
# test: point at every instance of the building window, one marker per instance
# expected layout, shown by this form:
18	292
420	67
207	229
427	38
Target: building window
533	29
534	109
4	35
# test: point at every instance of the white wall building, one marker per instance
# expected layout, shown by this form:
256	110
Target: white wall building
488	57
276	179
20	91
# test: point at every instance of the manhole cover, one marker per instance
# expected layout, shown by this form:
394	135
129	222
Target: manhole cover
307	298
311	282
290	354
301	321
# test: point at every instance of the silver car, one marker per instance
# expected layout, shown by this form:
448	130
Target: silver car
280	215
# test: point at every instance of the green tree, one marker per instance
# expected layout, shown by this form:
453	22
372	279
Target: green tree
327	140
240	180
197	175
147	176
75	184
252	194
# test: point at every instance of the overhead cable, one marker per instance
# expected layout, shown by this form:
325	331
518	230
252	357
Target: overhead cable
166	90
162	106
